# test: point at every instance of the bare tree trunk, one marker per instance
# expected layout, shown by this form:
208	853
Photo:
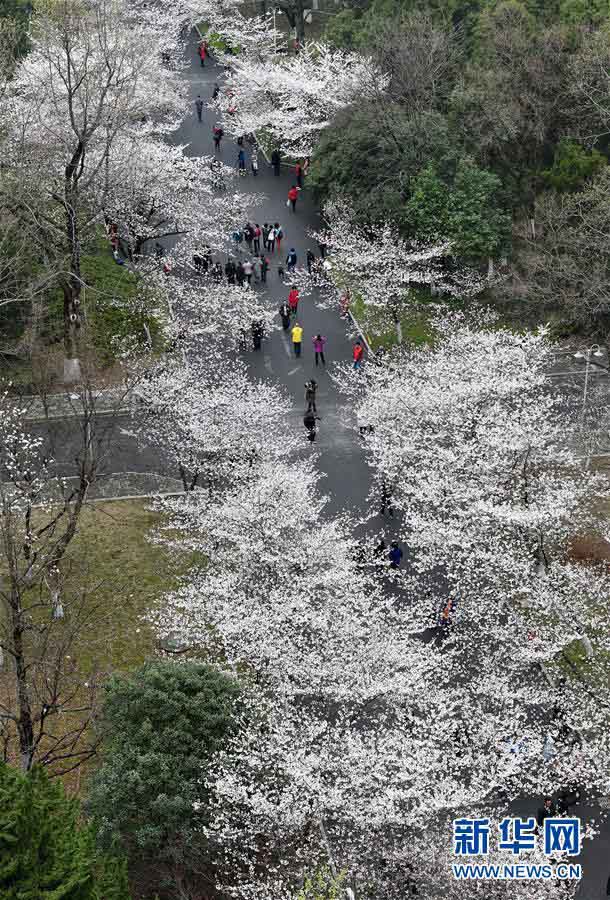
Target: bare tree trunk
294	13
25	724
39	517
300	21
395	310
72	286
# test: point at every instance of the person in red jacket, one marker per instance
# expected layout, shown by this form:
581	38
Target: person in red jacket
293	194
293	299
358	353
203	51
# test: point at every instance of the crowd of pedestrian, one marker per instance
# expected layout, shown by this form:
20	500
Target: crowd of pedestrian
256	246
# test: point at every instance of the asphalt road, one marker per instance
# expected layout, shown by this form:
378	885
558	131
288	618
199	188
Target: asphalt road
116	447
341	460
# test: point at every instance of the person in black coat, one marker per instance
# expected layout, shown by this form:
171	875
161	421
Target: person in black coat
275	161
285	315
257	334
230	271
547	810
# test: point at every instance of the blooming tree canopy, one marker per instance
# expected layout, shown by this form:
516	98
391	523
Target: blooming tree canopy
295	97
381	267
84	85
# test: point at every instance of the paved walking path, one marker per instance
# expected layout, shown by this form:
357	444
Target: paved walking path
341	458
66	405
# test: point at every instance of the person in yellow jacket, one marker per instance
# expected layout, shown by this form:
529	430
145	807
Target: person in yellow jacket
297	338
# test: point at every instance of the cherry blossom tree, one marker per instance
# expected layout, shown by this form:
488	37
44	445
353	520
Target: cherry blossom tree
46	711
157	192
295	97
423	731
210	421
384	270
471	441
85	82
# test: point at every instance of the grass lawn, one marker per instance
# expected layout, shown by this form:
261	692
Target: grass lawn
121	576
126	575
380	330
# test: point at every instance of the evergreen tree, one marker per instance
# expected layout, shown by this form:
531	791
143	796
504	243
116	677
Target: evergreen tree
45	853
163	724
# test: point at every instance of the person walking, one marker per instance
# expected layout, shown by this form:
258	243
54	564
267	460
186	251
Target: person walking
248	270
298	173
297	337
199	107
291	260
257	334
319	343
240	274
249	236
275	161
218	133
547	810
310	257
216	272
279	234
264	268
322	247
293	195
395	555
445	619
285	315
344	303
203	52
254	161
358	353
230	271
265	233
310	395
309	421
216	91
271	239
241	162
293	299
237	238
257	239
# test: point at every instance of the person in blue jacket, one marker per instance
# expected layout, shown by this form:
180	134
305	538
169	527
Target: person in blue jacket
395	555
